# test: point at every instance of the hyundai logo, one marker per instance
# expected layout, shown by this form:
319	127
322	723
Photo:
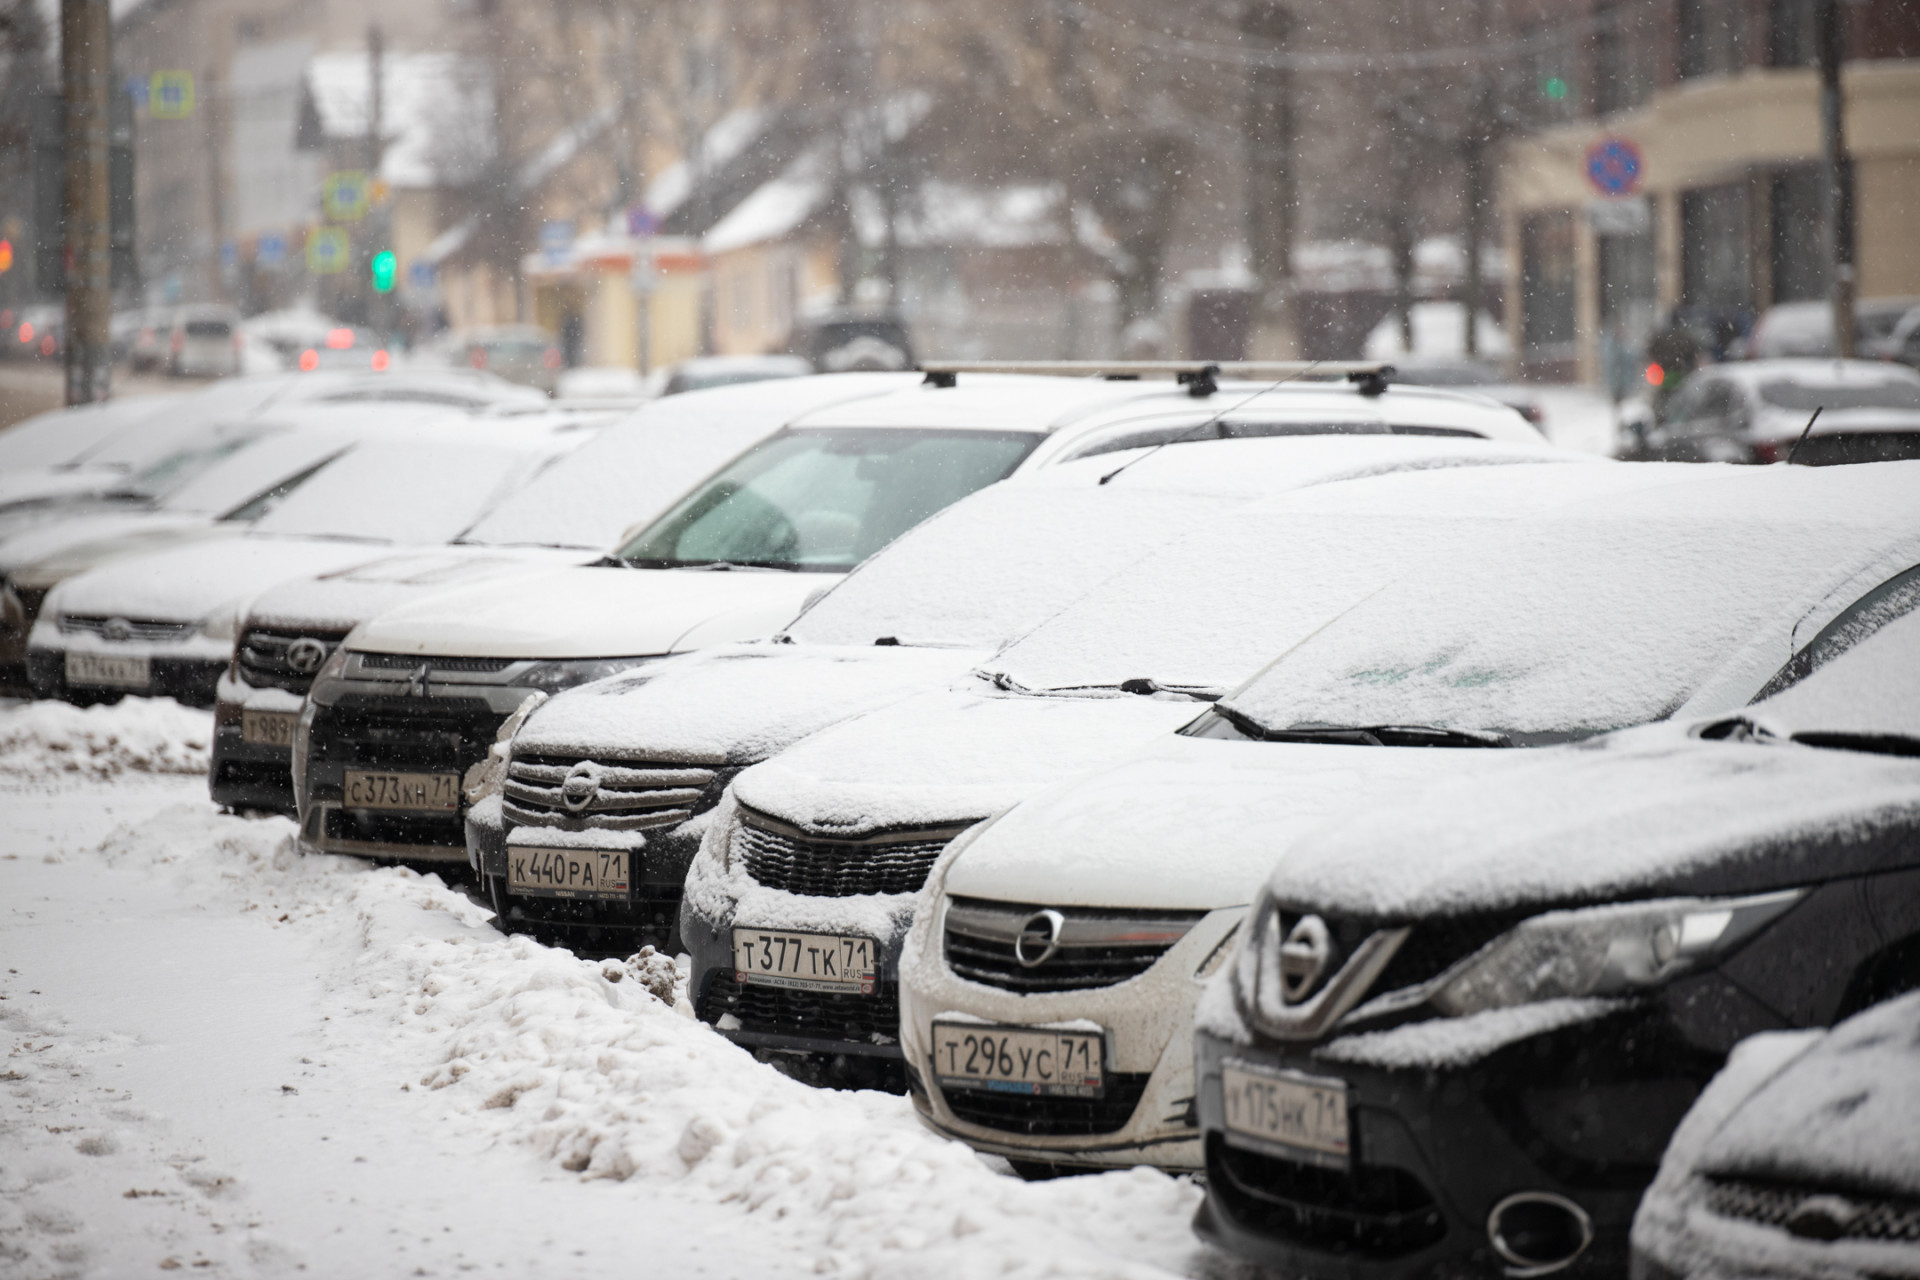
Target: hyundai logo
581	785
1039	938
1305	957
305	656
118	630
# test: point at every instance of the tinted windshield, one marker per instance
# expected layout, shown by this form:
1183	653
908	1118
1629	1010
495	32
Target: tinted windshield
180	467
1833	397
826	499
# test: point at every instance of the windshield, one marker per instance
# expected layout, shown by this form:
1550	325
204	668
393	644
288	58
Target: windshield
1835	396
400	491
181	467
823	500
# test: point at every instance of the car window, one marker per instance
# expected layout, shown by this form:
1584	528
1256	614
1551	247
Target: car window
1808	396
180	467
824	500
1160	434
1892	599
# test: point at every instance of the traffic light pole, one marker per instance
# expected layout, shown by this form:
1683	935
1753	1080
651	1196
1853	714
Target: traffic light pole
86	65
1837	171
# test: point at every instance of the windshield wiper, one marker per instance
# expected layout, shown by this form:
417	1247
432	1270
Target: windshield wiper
1373	735
1885	744
626	562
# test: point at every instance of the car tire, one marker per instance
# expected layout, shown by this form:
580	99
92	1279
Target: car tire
502	906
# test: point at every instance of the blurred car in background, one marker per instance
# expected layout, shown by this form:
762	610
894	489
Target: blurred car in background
1805	329
344	348
1482	377
1801	1161
602	384
521	353
1759	410
845	339
203	341
35	333
1460	1025
703	372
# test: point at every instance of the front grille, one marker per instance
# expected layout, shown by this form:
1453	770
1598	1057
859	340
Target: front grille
852	1019
409	662
404	733
1775	1204
372	826
783	859
1095	948
1375	1211
263	657
626	796
137	628
1052	1117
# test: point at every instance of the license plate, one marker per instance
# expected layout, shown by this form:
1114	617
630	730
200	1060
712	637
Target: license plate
267	728
436	792
1018	1059
114	670
1307	1114
804	961
567	873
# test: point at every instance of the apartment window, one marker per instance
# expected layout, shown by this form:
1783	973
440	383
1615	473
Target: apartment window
1797	243
1546	279
1790	34
1710	37
1620	77
1715	263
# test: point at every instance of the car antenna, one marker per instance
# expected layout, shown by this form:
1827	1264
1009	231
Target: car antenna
1802	438
1235	408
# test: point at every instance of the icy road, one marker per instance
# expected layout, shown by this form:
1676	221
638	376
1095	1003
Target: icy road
224	1058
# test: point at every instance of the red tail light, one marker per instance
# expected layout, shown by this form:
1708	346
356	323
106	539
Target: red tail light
380	361
309	360
26	331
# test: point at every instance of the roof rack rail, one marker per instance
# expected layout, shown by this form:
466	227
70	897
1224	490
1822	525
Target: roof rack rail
1201	377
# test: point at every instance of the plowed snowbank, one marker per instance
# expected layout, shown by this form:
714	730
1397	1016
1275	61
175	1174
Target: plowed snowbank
51	740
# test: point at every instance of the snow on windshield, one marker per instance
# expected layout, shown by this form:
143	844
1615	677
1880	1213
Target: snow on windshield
185	420
412	490
63	436
1874	688
1588	620
633	472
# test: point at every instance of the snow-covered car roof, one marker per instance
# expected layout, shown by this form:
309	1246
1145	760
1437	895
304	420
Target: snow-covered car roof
640	467
63	436
998	562
1603	614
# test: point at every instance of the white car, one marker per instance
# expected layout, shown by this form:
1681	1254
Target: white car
735	560
660	745
164	623
1683	596
568	515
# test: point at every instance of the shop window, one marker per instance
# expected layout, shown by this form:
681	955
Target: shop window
1547	279
1797	245
1791	34
1715	264
1620	73
1710	37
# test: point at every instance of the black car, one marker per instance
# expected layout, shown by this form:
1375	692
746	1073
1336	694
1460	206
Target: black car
1801	1161
1460	1030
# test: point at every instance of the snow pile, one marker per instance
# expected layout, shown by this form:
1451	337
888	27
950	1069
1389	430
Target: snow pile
42	740
584	1064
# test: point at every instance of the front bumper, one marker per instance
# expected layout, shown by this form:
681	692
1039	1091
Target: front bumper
248	775
182	677
1147	1115
1583	1112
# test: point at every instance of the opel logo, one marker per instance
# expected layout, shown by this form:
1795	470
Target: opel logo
305	656
1038	938
582	784
1304	958
117	629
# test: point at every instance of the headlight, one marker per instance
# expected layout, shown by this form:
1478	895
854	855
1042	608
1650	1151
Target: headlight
222	624
334	666
552	677
1600	951
488	776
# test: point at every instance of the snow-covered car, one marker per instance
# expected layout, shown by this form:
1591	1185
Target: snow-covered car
568	515
1572	617
64	437
1760	410
219	501
735	560
1805	329
835	835
1801	1161
723	371
608	786
204	342
164	623
1460	1024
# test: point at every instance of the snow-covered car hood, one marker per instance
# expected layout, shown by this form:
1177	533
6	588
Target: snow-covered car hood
92	524
592	613
83	549
1649	810
185	584
1842	1116
52	485
340	598
948	757
734	704
1220	814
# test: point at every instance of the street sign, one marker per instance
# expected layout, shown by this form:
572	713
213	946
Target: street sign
641	221
1614	167
345	195
170	95
270	250
327	250
420	275
1620	216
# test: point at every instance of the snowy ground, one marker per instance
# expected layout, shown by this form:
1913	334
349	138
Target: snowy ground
226	1058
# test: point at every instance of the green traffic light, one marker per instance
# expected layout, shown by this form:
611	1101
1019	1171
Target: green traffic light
1555	88
385	265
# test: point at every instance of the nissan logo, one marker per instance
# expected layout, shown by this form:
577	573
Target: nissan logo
1039	938
117	629
1305	956
305	656
581	785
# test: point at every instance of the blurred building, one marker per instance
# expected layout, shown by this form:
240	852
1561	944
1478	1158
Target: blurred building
1686	171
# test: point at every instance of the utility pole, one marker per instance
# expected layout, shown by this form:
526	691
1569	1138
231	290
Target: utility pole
1265	26
374	227
1482	121
1836	171
86	64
